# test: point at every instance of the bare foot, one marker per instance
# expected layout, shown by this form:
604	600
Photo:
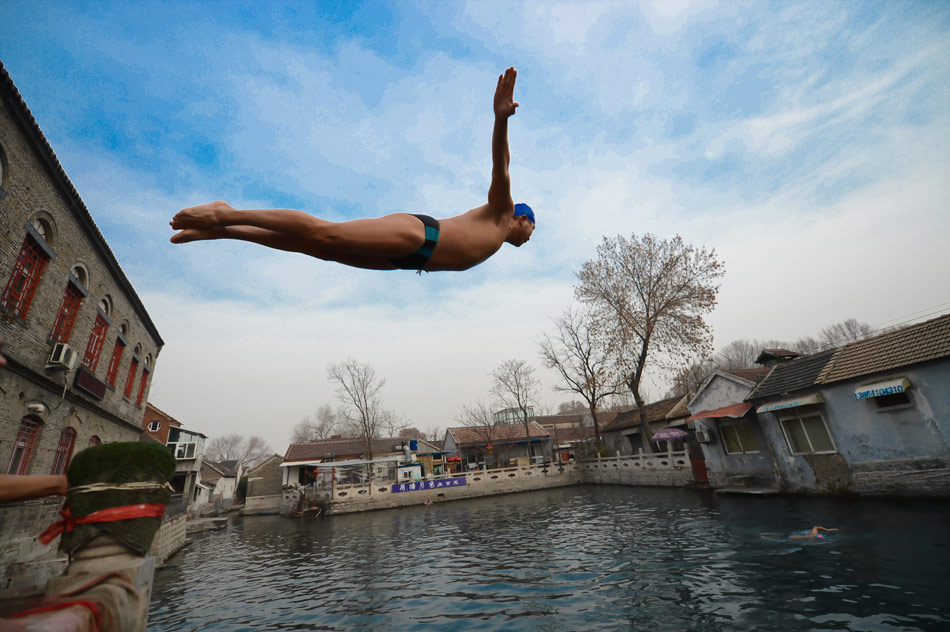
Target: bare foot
196	234
201	216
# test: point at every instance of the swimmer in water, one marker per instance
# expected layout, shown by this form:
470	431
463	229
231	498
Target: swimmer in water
811	535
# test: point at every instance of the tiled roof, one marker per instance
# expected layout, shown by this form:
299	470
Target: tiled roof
792	376
572	418
23	115
231	464
499	434
574	433
219	468
656	411
929	340
339	448
753	375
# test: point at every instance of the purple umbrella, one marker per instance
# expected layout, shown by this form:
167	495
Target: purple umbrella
669	434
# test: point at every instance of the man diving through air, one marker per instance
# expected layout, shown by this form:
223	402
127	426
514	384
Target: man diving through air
393	242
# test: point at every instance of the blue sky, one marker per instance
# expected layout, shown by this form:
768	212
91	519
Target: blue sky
807	142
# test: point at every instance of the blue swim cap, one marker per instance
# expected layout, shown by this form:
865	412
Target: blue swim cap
524	209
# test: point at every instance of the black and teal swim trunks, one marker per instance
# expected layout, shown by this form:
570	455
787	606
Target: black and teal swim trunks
417	260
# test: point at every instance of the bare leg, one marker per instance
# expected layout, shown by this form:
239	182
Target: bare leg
279	241
389	236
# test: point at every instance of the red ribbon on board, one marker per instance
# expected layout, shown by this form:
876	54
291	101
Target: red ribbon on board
112	514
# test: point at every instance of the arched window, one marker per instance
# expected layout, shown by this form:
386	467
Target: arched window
146	371
64	451
130	380
154	425
98	336
27	271
68	309
94	440
23	445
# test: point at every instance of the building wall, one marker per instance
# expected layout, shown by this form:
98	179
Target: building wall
724	469
24	561
901	451
264	486
170	538
719	392
31	189
165	423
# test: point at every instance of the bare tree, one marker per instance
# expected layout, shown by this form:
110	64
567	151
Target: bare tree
806	345
320	426
358	389
649	297
573	407
234	447
411	432
480	419
582	363
850	330
516	387
688	380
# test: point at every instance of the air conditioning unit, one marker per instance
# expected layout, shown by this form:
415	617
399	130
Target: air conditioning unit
703	436
63	356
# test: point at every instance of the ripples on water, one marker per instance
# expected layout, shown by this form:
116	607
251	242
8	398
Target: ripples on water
578	558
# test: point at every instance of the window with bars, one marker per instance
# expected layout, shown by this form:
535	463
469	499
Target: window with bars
806	432
738	436
130	380
63	325
18	295
114	362
23	446
94	348
64	451
141	393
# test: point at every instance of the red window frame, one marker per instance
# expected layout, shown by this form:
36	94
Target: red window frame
64	451
96	338
94	440
66	318
130	381
113	371
141	393
23	446
18	295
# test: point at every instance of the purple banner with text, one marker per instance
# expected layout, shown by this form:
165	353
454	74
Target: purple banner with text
418	486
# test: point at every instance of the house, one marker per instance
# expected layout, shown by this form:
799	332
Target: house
188	448
221	483
349	456
264	485
622	434
871	417
80	346
734	447
570	442
158	423
498	445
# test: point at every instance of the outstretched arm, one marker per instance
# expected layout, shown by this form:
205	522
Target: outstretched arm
17	487
499	194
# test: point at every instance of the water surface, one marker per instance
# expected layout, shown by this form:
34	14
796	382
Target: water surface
577	558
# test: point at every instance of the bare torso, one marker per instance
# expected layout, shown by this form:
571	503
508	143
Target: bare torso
468	239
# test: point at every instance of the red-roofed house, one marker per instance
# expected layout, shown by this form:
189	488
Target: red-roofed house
498	445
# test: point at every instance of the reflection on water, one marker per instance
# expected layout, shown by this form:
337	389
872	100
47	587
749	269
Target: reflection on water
591	558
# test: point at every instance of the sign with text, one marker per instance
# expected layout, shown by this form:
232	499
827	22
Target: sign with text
419	486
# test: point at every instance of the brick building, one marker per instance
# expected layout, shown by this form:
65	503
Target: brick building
80	346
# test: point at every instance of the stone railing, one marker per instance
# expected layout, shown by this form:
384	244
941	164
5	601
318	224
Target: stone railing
435	484
667	469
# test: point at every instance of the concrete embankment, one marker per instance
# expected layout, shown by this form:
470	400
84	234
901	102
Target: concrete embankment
667	469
